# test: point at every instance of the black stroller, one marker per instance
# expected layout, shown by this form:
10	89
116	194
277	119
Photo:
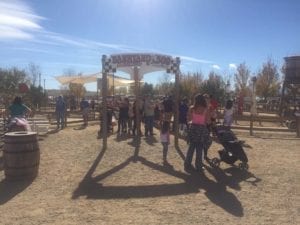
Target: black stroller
232	151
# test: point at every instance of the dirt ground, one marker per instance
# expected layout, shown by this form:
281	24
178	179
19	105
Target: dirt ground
79	183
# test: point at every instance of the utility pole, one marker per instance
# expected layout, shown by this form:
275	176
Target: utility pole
253	111
44	86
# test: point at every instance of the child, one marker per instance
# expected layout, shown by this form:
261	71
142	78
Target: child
165	139
228	113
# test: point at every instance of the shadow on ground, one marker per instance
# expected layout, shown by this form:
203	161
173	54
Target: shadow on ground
9	189
93	186
1	162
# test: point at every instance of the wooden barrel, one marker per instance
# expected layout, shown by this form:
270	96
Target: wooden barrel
21	155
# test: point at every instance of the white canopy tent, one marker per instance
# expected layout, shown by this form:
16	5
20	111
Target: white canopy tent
84	79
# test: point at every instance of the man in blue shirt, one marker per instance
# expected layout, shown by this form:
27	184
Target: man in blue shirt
84	106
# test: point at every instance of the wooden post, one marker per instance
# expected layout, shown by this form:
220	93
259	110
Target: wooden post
251	124
137	100
281	110
253	111
176	111
65	117
298	125
104	105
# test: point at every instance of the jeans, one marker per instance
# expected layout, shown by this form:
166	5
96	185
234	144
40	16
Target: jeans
149	123
189	155
60	118
165	150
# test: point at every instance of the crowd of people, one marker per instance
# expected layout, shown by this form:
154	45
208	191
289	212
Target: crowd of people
195	121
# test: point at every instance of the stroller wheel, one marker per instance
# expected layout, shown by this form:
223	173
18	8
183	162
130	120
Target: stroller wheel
243	166
215	162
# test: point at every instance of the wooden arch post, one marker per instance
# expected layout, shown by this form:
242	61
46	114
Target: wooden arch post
106	68
104	104
137	99
175	69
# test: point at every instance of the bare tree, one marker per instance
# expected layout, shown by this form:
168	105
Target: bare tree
242	78
190	84
34	73
215	86
268	80
165	85
9	83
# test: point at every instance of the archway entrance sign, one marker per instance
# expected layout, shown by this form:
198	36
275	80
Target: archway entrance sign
137	65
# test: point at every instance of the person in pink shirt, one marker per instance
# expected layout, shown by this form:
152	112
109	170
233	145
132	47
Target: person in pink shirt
199	138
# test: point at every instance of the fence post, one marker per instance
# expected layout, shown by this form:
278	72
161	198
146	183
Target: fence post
298	125
251	125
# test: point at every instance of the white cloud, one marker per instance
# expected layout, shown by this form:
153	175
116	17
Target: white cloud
195	60
10	32
215	66
232	66
17	20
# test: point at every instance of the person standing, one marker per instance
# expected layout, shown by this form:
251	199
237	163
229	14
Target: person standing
130	117
213	107
199	138
183	111
228	114
84	106
168	105
123	116
165	139
18	108
149	116
60	110
136	129
17	112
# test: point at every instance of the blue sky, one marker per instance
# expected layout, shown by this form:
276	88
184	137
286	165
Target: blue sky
58	35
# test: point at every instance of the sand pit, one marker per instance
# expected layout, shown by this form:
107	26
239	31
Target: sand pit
79	183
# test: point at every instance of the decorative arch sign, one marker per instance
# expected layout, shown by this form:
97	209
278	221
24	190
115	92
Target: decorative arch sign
156	60
138	64
146	63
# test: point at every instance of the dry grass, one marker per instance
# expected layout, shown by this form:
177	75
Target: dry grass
79	183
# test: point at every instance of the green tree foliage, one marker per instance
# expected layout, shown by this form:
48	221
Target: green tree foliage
242	78
268	80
